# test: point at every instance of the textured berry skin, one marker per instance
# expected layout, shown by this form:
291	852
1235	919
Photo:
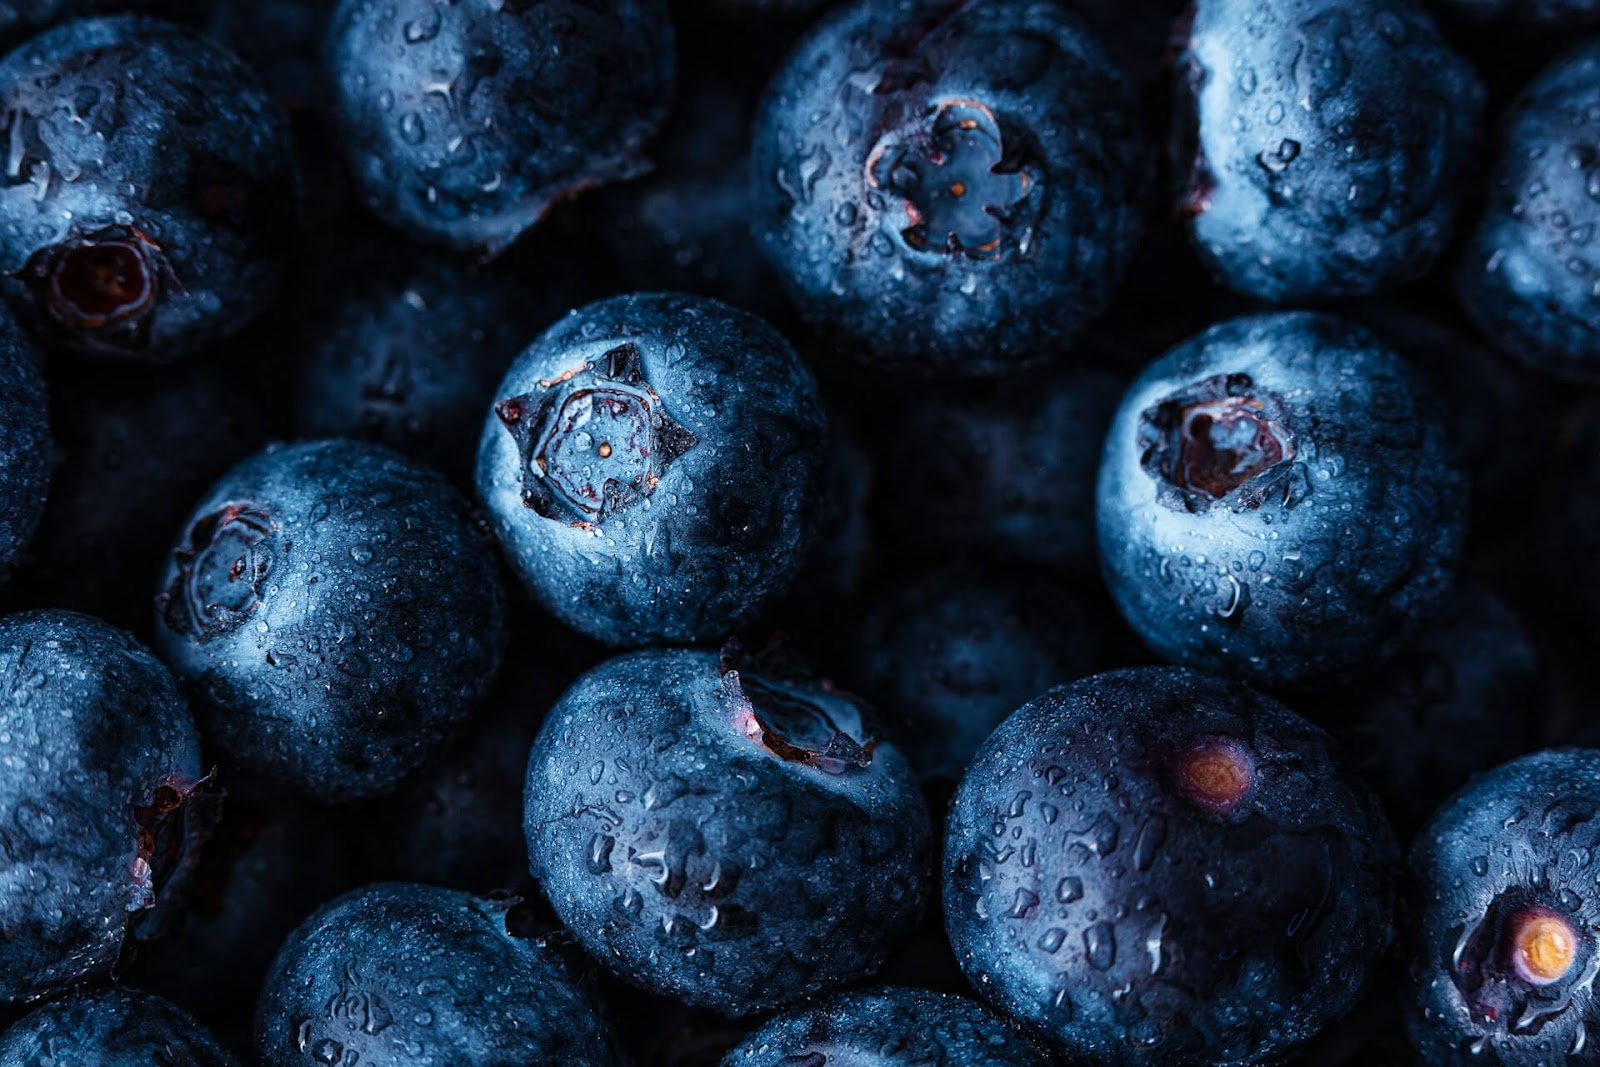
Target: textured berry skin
135	442
114	1027
397	973
543	99
1278	500
1521	837
1467	691
151	195
730	838
335	613
1324	144
25	444
410	352
1530	275
949	187
1004	471
1136	919
889	1026
652	465
951	654
100	799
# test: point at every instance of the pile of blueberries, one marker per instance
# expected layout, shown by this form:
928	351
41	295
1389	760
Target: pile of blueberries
776	533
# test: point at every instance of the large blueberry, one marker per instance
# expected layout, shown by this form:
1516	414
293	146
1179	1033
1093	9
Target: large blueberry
464	122
1002	471
949	186
138	444
1505	949
1278	500
149	200
1323	144
1156	866
889	1026
335	612
100	795
409	353
1530	276
110	1028
727	837
952	653
1466	692
397	974
651	466
25	444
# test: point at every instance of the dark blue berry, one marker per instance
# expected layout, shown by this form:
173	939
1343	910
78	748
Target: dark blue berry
400	973
1156	866
951	187
1324	144
726	836
1505	951
115	1027
101	796
149	200
1530	277
463	123
335	612
889	1027
1278	500
652	465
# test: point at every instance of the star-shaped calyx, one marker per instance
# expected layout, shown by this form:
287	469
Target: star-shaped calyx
593	441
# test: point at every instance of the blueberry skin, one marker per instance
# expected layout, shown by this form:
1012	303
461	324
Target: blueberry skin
730	838
115	1027
100	796
1521	836
1324	144
548	98
1278	500
950	654
880	113
1541	16
150	153
410	352
26	449
335	613
675	507
890	1026
1525	276
1090	896
395	974
1001	471
1464	693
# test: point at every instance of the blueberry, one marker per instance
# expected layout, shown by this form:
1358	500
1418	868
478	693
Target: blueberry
335	612
1466	692
25	444
1006	471
110	1028
101	794
950	187
959	648
1505	949
1278	499
152	199
888	1027
1324	144
651	466
732	838
397	973
138	445
1158	866
1526	275
463	123
409	353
